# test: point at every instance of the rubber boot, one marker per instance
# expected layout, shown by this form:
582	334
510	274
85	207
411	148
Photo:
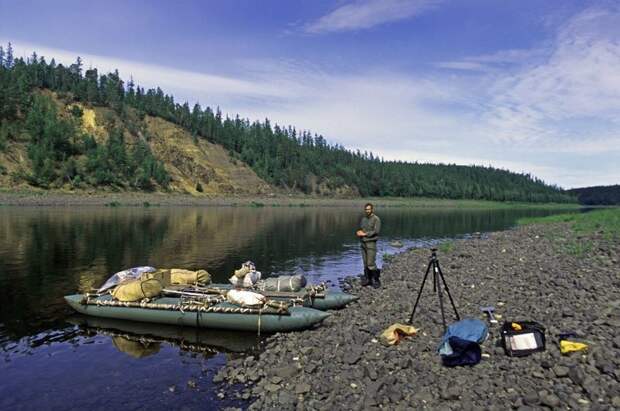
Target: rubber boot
375	274
366	277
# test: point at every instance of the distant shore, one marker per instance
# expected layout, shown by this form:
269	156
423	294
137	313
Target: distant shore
141	199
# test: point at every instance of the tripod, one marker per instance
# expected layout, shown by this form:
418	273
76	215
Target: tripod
437	274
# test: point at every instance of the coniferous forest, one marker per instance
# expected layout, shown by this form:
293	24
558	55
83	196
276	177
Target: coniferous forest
282	156
598	195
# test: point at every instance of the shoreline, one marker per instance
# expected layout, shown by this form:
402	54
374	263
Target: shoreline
140	199
527	273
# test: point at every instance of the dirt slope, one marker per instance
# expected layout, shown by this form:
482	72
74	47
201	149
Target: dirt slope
190	162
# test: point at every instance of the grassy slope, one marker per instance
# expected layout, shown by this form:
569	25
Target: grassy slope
605	222
585	232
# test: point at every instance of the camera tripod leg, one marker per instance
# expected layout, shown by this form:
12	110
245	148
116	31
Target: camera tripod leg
440	295
417	300
458	317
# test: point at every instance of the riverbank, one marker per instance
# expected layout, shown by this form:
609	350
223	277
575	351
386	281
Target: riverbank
532	272
141	199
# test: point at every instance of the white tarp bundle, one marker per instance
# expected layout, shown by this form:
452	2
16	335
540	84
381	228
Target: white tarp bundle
125	275
247	281
246	298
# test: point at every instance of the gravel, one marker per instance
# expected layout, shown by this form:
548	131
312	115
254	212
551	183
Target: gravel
523	272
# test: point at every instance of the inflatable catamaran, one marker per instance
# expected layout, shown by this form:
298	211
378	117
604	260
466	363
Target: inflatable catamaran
183	297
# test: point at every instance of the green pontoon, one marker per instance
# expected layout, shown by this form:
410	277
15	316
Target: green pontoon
180	311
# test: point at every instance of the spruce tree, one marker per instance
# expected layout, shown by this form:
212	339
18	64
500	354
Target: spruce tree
8	60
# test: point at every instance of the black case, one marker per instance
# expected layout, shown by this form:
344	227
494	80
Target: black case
527	327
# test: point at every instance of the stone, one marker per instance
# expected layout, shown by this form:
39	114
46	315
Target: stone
450	393
352	356
531	398
285	372
560	371
272	387
302	388
371	372
285	398
373	388
550	400
576	375
394	394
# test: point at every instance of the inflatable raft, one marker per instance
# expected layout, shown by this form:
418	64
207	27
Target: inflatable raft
179	311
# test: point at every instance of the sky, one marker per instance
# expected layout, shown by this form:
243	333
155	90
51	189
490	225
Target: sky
531	86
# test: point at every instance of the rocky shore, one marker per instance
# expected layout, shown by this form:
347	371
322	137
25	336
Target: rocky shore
51	198
528	273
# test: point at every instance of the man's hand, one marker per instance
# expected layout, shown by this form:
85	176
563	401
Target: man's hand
360	233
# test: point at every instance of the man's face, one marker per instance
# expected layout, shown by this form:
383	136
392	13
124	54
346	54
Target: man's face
368	210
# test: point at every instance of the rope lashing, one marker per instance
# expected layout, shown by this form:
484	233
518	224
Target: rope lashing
281	308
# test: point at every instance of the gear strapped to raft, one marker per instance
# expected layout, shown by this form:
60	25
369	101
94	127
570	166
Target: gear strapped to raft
202	304
295	298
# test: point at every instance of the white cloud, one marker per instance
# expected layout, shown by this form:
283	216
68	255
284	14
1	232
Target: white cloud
461	65
500	60
577	84
363	14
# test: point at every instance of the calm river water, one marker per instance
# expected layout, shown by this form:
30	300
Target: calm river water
53	359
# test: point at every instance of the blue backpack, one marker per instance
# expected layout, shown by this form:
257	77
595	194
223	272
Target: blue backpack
460	345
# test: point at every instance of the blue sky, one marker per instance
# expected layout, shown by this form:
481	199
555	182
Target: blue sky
527	85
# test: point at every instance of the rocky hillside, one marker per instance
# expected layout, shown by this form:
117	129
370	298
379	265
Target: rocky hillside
194	166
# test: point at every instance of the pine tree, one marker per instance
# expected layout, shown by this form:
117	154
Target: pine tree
92	86
8	60
76	68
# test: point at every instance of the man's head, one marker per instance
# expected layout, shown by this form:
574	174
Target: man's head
368	208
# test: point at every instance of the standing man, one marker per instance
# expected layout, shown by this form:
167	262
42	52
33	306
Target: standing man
368	235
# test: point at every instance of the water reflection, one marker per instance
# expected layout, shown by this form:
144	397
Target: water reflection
138	339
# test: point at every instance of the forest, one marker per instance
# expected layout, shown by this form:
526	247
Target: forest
598	195
283	156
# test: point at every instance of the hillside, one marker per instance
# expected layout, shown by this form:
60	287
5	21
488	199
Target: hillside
189	163
597	195
61	128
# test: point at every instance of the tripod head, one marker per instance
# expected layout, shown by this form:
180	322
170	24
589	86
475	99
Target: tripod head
433	256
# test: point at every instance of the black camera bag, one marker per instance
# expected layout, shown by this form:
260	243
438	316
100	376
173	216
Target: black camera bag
519	343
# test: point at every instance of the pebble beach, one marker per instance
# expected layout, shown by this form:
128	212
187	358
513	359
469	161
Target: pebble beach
532	272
